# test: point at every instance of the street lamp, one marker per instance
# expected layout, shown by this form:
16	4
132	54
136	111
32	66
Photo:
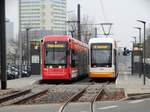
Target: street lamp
132	56
95	32
140	61
139	33
134	39
3	46
27	34
78	22
144	49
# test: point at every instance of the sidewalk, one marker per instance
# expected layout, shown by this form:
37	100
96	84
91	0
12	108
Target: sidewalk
22	82
133	84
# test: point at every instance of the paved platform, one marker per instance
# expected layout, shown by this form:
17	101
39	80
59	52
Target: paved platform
133	84
22	82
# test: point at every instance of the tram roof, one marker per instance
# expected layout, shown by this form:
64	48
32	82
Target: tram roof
102	40
61	38
56	37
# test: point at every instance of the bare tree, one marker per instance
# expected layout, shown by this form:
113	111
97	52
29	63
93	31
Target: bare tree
87	28
12	51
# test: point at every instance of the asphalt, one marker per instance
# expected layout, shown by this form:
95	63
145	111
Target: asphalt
32	108
76	107
124	106
106	106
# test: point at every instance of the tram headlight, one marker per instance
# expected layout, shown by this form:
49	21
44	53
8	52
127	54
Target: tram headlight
61	67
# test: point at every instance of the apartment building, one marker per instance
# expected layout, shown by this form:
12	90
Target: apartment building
43	15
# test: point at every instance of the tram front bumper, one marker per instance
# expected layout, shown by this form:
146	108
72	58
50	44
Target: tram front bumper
101	74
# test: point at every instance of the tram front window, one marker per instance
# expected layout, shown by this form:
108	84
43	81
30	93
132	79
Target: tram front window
101	55
55	54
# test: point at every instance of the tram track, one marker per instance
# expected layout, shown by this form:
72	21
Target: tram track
97	96
80	94
71	99
13	95
22	96
62	94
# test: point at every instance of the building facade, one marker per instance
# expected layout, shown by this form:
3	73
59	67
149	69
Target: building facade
43	15
9	30
9	35
11	43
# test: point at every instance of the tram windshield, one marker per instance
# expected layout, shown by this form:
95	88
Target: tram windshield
55	54
101	55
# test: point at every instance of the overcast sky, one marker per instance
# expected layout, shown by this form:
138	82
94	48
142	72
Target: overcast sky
123	13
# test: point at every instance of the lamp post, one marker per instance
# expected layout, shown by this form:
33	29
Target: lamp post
140	60
134	39
139	33
132	62
95	32
144	50
78	22
3	46
28	59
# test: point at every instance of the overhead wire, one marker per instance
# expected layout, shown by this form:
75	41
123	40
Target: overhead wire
105	18
103	9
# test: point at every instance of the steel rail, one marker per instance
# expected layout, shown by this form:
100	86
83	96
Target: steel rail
96	96
72	98
22	97
32	96
14	95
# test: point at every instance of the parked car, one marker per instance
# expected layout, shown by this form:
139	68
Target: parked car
12	72
26	72
15	71
9	74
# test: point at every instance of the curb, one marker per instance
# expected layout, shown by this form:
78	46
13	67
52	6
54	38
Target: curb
139	96
136	97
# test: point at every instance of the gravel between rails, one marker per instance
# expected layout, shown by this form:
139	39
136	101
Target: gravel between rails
56	94
90	93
